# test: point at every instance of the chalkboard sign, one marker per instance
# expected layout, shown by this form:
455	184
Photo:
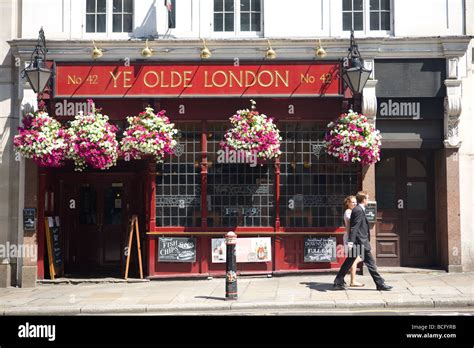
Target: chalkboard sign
53	243
319	249
171	249
29	219
371	212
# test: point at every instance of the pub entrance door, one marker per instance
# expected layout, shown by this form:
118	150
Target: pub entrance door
405	199
95	211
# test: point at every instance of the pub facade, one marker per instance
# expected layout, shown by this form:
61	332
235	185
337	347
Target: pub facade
287	212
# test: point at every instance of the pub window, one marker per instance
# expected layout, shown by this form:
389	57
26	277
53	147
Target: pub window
96	16
122	16
178	181
313	184
238	194
379	14
237	16
352	15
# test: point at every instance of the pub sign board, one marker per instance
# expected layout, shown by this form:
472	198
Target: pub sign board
320	249
172	249
197	80
371	212
29	219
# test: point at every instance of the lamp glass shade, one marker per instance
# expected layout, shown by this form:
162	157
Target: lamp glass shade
38	75
356	78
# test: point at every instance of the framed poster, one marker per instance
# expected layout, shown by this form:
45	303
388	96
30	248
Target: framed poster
247	250
173	249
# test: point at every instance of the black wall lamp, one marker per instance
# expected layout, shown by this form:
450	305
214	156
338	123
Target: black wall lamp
37	73
354	73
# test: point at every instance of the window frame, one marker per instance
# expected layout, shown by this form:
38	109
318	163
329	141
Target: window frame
366	12
237	18
109	33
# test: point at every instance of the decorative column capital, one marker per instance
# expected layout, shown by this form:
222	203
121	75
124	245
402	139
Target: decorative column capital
369	101
452	113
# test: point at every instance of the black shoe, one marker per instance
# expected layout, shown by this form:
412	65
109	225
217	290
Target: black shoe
384	287
339	287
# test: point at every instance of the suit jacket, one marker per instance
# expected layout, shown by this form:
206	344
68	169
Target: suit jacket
359	233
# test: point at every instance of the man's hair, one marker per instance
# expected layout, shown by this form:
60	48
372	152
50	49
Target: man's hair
361	195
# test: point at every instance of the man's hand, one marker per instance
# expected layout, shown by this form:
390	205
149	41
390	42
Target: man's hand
350	245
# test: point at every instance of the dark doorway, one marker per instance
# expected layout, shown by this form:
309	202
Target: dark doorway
95	210
405	217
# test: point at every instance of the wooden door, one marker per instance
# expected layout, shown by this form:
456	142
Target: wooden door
404	191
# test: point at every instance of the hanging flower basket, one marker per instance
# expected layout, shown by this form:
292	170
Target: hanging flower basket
149	134
253	133
353	139
92	141
42	139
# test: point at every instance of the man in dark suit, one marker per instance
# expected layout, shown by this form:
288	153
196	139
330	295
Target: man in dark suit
359	244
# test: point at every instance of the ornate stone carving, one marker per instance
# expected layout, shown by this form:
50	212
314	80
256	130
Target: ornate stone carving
452	113
369	101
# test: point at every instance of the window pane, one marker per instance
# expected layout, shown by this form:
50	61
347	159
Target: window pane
117	7
374	5
385	24
229	22
113	205
358	21
90	23
385	5
127	23
386	167
229	5
245	5
415	168
117	23
255	22
346	21
374	20
358	5
386	194
416	195
347	5
256	5
128	6
101	23
100	5
218	19
87	206
218	5
90	6
245	22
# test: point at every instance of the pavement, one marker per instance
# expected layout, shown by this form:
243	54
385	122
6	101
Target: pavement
411	290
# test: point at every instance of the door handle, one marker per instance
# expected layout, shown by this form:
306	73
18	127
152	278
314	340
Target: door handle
99	222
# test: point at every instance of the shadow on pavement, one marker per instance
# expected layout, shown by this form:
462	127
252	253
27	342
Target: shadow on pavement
211	298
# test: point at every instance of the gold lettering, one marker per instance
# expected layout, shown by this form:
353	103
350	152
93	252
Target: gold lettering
162	73
145	79
173	81
254	79
260	78
220	72
127	79
284	81
237	80
187	79
115	78
206	80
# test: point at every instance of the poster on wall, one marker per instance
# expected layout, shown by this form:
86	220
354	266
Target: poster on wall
171	249
320	249
247	250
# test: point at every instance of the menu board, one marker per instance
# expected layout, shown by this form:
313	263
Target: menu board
172	249
319	249
29	219
371	212
247	250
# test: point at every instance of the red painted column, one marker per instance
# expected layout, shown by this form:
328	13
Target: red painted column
150	209
40	224
205	249
277	194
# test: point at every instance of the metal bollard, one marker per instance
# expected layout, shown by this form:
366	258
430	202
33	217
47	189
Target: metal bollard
230	267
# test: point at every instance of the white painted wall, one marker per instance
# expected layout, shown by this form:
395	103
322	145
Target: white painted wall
65	19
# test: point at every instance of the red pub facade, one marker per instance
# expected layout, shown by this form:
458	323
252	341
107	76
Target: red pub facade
195	194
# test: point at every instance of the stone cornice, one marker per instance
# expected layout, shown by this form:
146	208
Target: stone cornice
249	49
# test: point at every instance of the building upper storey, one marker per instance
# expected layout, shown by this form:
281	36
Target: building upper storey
219	19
